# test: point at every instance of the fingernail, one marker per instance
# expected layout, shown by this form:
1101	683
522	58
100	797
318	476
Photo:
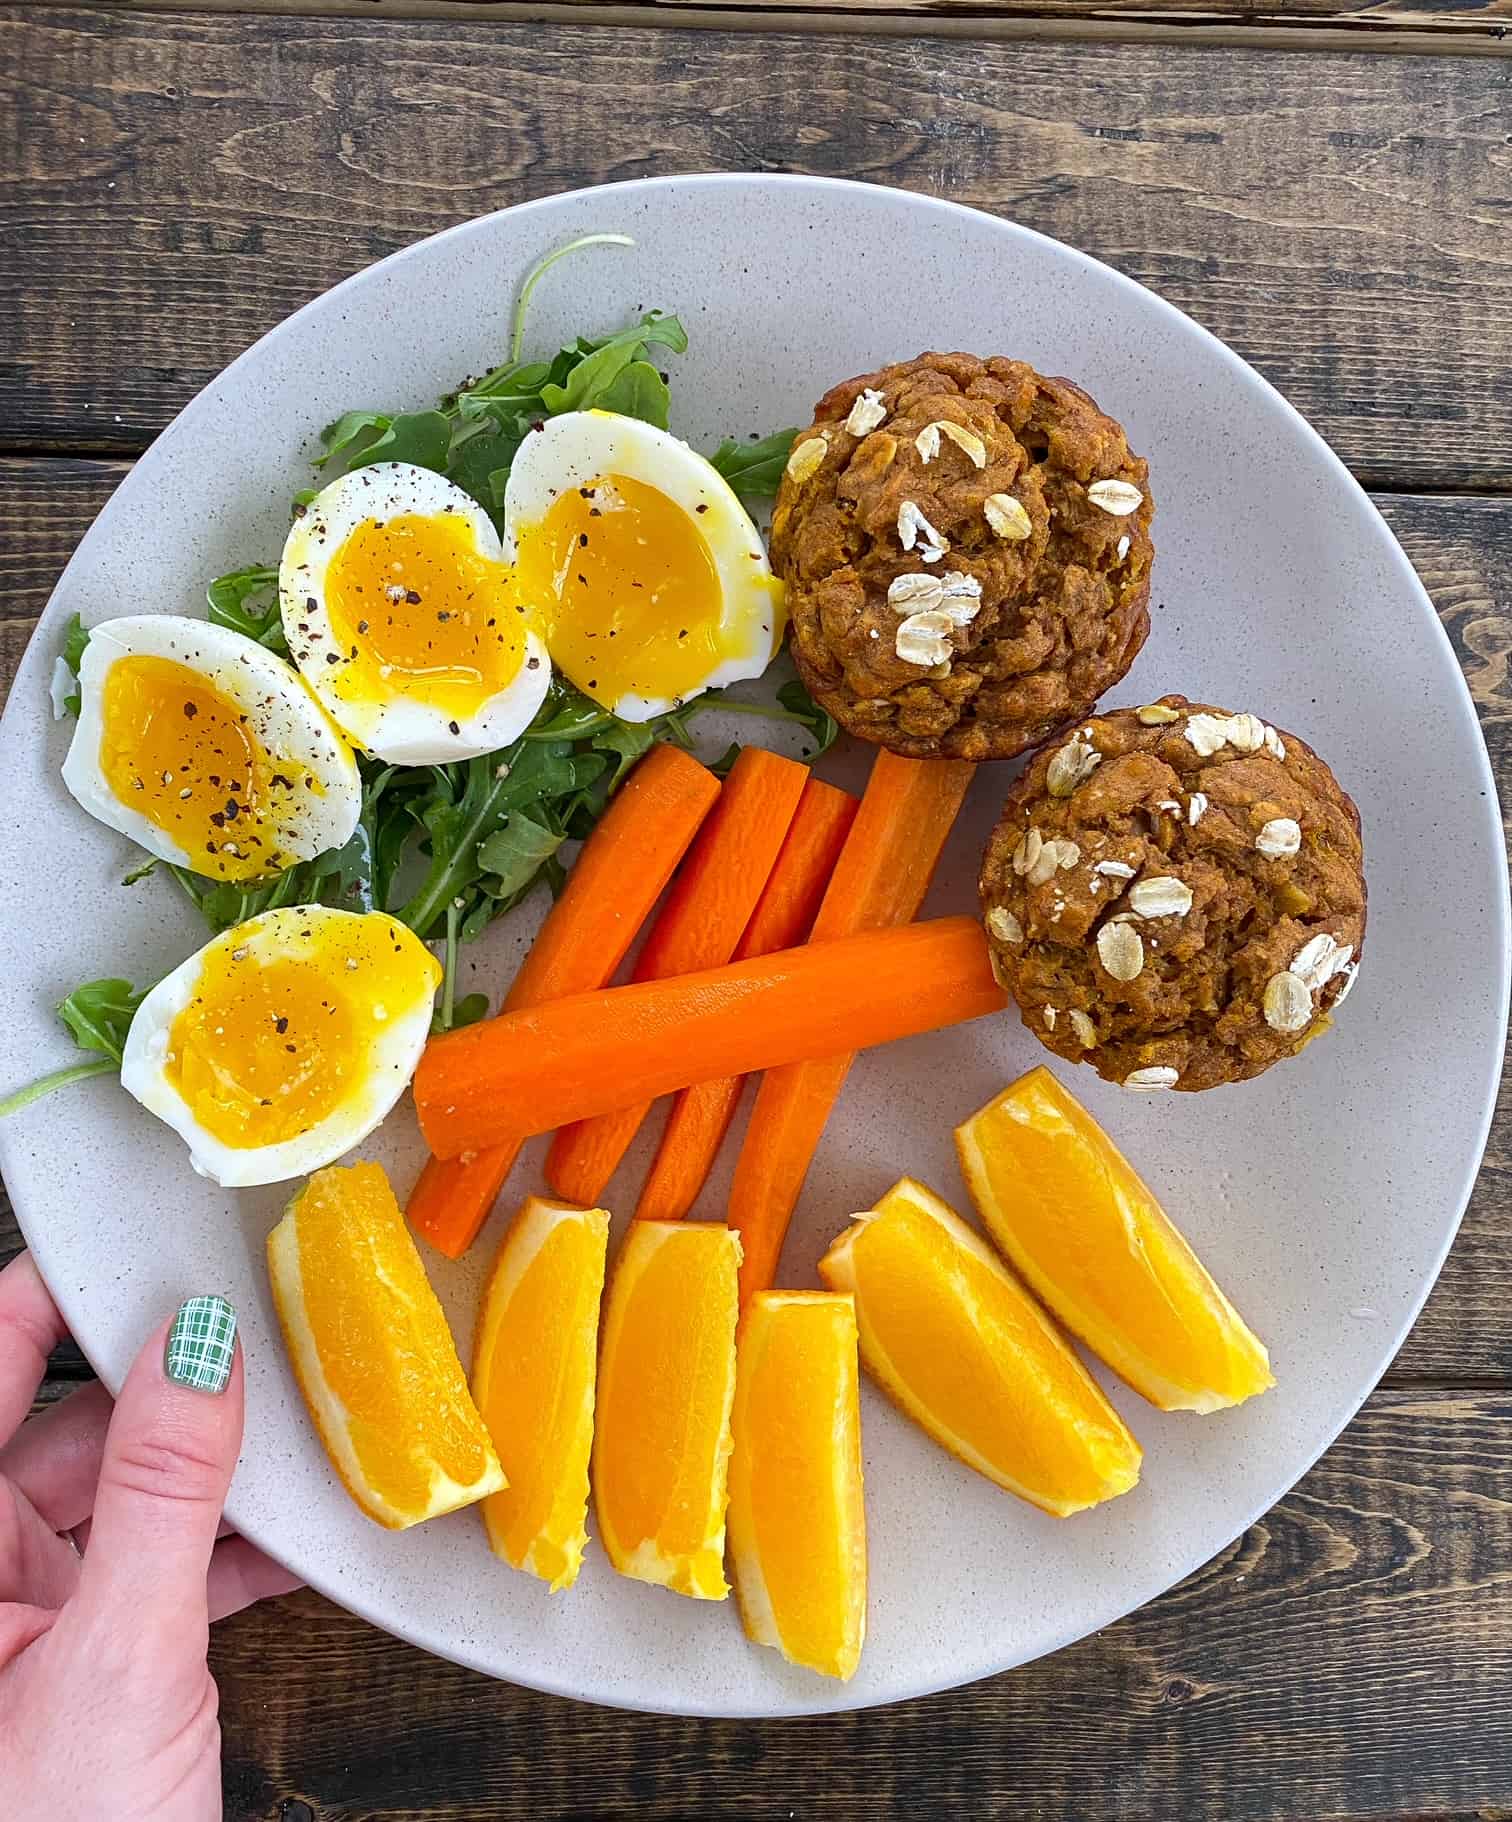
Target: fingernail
202	1344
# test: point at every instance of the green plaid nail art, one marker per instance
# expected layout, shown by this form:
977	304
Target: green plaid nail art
201	1344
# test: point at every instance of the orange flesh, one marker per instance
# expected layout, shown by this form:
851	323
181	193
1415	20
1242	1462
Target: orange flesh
628	586
382	1340
534	1379
797	1533
967	1352
666	1381
266	1049
416	609
180	753
1073	1216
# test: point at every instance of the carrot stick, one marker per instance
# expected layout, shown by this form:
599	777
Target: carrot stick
699	926
882	876
620	873
784	914
570	1059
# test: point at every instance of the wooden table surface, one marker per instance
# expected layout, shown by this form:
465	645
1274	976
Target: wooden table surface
1327	184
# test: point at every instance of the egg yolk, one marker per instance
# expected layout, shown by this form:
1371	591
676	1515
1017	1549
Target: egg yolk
271	1044
175	749
625	581
416	609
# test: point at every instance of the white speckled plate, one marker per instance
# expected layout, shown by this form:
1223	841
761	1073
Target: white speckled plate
1323	1196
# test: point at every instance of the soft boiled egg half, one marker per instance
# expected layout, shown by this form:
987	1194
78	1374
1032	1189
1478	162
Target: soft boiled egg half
639	562
282	1043
401	615
207	750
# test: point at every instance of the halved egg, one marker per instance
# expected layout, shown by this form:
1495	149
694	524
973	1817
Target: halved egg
401	615
644	569
282	1043
207	749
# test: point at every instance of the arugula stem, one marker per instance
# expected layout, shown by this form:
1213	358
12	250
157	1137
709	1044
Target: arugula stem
449	975
539	271
439	888
60	1078
756	708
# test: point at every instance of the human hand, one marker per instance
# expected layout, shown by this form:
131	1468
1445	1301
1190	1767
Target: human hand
107	1705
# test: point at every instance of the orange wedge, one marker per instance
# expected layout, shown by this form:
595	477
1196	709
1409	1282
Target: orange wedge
372	1353
1068	1210
533	1373
797	1522
962	1348
666	1385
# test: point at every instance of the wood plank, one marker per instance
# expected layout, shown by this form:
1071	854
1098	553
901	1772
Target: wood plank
184	187
1457	28
1346	1658
1462	547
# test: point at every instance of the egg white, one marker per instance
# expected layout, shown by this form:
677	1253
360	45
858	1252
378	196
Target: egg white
290	724
392	1053
395	727
581	447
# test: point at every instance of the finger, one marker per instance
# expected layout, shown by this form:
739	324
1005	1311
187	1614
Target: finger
21	1624
30	1328
54	1459
240	1574
169	1454
36	1565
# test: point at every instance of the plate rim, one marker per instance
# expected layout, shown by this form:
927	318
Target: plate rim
838	1698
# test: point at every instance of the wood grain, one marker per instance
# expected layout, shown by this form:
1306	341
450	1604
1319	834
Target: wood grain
181	186
1454	28
1296	1675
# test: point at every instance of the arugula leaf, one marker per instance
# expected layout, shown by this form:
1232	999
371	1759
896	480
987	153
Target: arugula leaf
246	600
99	1014
75	639
802	707
754	470
466	1011
340	436
420	437
638	391
480	465
513	856
592	376
721	767
469	802
628	741
795	704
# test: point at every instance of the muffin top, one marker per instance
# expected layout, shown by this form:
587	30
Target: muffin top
966	550
1175	895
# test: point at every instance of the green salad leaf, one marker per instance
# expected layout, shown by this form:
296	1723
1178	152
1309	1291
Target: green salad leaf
75	639
246	600
99	1015
754	470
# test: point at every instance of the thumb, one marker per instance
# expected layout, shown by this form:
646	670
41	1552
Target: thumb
169	1455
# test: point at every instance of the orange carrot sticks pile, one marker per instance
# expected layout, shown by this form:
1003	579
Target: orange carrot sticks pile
699	927
570	1059
784	914
621	872
884	871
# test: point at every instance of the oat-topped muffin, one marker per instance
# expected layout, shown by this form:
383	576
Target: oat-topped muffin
1174	895
966	549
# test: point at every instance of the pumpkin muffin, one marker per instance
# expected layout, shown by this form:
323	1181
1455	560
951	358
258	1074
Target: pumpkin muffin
966	550
1175	895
